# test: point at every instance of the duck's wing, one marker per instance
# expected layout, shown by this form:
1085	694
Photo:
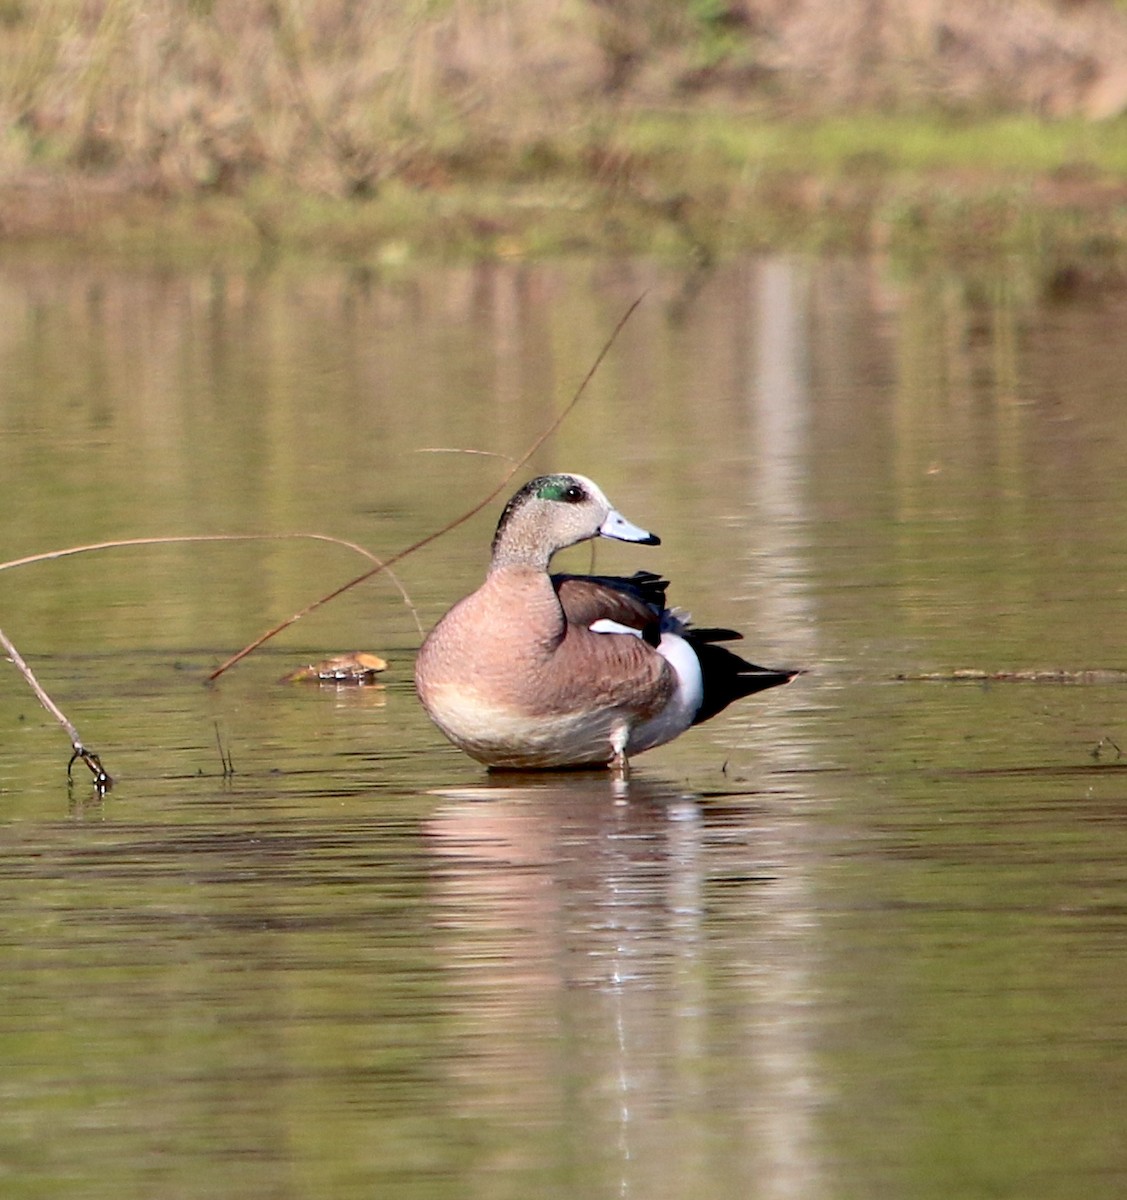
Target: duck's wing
636	602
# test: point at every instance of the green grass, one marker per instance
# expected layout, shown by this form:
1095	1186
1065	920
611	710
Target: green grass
896	144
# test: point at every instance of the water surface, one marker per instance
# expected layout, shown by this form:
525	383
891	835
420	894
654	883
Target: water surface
864	935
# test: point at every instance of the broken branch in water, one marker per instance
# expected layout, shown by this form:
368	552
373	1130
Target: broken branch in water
967	675
102	779
450	525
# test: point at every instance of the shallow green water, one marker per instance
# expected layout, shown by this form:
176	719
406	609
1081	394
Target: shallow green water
865	935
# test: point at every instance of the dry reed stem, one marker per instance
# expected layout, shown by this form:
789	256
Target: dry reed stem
172	539
102	780
463	450
457	521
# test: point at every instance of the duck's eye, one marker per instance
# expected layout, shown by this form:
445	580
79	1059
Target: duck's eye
556	487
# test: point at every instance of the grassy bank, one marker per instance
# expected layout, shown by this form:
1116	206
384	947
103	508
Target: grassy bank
694	185
380	132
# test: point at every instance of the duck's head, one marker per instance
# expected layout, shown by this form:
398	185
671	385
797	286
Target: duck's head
554	511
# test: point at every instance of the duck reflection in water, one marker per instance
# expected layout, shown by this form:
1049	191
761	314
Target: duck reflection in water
630	971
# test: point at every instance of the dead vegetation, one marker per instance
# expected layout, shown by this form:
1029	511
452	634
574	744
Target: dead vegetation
104	100
1056	59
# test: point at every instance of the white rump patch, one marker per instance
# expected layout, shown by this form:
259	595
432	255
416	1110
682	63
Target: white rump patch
683	705
686	700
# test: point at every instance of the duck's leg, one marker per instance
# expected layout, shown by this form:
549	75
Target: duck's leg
619	763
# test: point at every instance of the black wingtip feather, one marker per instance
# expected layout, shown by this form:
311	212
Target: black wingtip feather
728	678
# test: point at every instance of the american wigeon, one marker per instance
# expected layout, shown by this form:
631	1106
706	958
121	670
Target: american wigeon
535	670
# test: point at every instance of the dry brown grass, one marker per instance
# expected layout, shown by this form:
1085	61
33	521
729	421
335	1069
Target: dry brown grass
202	94
1053	57
338	95
336	98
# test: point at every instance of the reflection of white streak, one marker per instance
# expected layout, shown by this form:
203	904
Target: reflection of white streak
783	985
779	402
688	868
633	972
506	309
624	1154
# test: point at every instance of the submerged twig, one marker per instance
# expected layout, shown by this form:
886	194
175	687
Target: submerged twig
102	779
226	761
450	525
1098	749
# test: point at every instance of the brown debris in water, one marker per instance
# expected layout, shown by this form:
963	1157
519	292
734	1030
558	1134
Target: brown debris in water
358	667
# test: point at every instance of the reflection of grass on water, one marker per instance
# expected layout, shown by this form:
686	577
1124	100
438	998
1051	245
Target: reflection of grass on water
382	131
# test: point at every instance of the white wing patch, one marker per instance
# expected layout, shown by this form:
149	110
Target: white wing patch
606	625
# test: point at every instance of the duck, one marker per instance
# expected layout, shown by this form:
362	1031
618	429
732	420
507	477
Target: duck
541	671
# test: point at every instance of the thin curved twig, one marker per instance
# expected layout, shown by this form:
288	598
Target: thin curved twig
463	450
172	539
457	521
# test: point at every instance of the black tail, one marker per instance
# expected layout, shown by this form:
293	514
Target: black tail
727	677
